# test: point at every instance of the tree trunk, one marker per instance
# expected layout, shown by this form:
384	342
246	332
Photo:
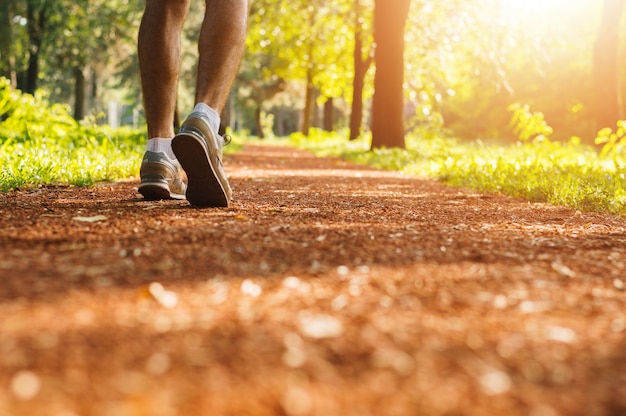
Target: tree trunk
316	117
79	94
360	70
7	63
92	91
308	105
36	26
388	103
32	73
608	100
279	123
257	121
329	111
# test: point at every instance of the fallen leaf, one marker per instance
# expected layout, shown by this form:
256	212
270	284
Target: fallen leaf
495	382
563	269
561	334
319	325
95	218
25	385
165	298
250	288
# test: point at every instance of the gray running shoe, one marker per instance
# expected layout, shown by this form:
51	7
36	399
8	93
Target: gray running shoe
199	149
161	177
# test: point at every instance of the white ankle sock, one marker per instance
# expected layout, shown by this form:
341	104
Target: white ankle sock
163	145
211	113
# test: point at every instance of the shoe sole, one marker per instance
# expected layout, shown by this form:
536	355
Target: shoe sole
204	188
155	191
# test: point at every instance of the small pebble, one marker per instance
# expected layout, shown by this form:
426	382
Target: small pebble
25	385
248	287
319	325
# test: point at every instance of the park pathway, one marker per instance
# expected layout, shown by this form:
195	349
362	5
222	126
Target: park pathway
325	289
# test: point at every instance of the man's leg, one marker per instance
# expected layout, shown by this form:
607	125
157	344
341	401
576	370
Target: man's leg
162	176
221	46
198	145
159	62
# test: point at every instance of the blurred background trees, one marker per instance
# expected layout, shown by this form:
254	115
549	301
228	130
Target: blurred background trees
312	64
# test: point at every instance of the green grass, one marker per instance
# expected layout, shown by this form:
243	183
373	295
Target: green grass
41	144
538	170
86	156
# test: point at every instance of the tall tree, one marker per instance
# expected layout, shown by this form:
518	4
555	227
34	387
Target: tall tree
7	59
327	64
388	103
608	98
362	62
308	45
309	95
37	19
329	114
83	38
257	90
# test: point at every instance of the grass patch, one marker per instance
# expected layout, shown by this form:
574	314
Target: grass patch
41	144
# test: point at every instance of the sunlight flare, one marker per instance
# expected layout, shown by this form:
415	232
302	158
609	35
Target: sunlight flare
541	6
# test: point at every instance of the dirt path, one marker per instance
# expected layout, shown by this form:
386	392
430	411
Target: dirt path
327	289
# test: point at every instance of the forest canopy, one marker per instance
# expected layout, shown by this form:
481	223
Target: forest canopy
467	63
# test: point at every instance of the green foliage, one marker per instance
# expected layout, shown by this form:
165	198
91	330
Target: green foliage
466	60
94	37
541	171
614	143
568	174
40	143
312	38
469	60
527	125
